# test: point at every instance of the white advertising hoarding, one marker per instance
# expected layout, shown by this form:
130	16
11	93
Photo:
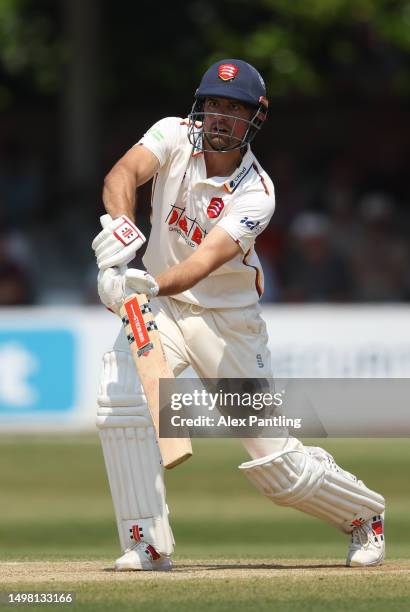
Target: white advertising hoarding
339	341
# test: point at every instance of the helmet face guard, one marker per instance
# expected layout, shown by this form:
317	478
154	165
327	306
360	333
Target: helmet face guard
200	138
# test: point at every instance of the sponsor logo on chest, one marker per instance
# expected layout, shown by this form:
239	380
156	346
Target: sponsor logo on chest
194	225
185	226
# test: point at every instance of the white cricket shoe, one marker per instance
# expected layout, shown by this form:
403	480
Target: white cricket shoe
143	557
367	545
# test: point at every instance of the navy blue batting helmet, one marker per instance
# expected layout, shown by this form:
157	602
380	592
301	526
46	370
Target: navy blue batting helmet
233	79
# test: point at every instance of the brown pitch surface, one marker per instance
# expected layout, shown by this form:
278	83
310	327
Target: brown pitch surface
93	571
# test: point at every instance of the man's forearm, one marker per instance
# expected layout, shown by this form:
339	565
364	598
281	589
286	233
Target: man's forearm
217	248
119	192
181	277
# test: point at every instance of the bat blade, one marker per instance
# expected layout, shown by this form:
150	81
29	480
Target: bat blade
151	365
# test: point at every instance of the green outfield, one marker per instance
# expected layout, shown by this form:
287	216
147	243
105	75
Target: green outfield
234	547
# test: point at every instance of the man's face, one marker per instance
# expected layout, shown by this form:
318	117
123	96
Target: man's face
224	132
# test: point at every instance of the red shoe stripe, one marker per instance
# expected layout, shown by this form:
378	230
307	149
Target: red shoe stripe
154	554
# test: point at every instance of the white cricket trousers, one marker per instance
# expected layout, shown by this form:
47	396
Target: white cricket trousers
217	343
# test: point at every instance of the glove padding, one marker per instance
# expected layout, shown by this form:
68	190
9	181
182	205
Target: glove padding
117	243
139	281
115	284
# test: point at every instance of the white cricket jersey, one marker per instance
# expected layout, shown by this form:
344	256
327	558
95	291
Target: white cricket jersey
186	206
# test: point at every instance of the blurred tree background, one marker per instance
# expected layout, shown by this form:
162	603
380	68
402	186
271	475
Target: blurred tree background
311	48
82	79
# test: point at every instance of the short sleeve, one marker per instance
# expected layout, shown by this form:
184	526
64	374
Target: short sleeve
161	138
248	217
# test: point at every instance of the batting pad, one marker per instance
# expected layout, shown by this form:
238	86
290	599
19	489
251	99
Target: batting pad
132	457
309	480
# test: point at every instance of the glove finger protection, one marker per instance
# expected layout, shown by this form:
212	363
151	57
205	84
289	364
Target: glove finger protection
139	281
115	284
111	288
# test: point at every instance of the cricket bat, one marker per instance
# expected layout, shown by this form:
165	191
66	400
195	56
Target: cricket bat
151	364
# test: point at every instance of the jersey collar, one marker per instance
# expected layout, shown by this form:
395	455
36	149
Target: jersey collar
244	168
231	183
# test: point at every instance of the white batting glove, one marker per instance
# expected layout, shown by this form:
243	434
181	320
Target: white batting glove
111	288
138	281
115	284
117	243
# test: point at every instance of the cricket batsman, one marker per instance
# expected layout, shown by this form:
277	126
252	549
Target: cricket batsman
210	201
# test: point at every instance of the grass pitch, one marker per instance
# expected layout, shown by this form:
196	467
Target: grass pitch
234	547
